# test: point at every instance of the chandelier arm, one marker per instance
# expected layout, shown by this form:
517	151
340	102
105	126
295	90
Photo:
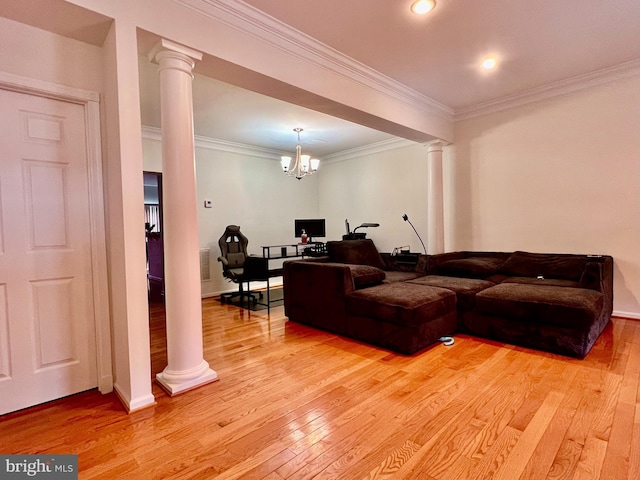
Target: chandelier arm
297	170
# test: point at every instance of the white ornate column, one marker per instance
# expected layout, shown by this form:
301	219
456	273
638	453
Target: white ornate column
186	367
435	199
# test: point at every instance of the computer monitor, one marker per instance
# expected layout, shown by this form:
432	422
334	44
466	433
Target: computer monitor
313	227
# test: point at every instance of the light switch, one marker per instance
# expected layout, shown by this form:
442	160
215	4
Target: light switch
207	204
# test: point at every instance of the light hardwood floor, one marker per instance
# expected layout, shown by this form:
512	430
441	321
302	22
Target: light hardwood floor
293	402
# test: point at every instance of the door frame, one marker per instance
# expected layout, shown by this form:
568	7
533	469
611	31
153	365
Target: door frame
90	101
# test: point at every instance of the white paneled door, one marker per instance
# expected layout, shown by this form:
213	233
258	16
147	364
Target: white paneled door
47	329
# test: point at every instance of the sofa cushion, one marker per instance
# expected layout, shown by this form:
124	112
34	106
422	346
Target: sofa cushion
560	306
397	276
366	276
402	303
471	267
464	288
557	282
525	264
357	252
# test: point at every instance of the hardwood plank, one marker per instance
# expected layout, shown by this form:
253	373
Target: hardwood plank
528	441
591	460
295	402
634	460
394	461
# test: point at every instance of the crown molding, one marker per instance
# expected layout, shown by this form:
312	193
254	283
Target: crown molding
155	133
254	22
552	90
371	149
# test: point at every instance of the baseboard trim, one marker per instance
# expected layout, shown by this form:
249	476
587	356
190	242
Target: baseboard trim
631	315
133	406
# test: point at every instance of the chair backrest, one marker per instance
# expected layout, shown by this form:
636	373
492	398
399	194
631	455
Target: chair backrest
233	246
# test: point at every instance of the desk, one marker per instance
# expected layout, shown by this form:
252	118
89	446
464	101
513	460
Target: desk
259	268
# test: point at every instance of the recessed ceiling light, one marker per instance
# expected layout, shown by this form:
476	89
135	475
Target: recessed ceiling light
489	63
420	7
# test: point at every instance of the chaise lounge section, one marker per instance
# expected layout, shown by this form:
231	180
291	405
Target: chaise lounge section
553	302
353	292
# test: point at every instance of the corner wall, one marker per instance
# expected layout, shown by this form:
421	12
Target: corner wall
561	175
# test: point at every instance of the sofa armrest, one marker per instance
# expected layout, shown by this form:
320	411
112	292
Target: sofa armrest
592	276
315	292
598	275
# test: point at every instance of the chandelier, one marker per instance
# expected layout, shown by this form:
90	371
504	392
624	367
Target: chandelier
303	165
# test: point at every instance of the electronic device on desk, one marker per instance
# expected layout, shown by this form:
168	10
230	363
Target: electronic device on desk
309	228
355	235
403	256
315	249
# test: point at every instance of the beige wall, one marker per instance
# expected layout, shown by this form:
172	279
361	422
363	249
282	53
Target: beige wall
41	55
561	175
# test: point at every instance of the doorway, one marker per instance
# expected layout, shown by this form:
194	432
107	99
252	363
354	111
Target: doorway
153	227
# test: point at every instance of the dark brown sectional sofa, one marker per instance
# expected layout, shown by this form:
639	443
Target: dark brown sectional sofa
553	302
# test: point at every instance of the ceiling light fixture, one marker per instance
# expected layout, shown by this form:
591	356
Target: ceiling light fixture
420	7
489	63
303	165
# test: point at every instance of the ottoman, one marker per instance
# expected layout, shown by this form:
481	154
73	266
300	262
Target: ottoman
403	317
563	320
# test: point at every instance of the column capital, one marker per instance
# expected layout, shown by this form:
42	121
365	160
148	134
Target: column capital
166	49
436	145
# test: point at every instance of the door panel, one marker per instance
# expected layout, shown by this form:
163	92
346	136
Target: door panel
47	329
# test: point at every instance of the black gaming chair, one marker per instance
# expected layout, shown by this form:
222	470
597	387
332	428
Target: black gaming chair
234	257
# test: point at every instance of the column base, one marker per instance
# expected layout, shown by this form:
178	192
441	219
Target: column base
174	387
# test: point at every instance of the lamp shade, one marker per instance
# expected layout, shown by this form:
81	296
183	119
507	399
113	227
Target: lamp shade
286	163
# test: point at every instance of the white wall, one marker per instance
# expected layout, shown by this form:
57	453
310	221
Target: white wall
35	53
561	175
245	190
378	188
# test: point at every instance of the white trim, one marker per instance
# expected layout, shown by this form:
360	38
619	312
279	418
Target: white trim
154	133
90	101
556	89
631	315
17	83
254	22
165	44
371	149
130	405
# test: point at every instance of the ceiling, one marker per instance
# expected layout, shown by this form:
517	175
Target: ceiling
438	55
536	44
